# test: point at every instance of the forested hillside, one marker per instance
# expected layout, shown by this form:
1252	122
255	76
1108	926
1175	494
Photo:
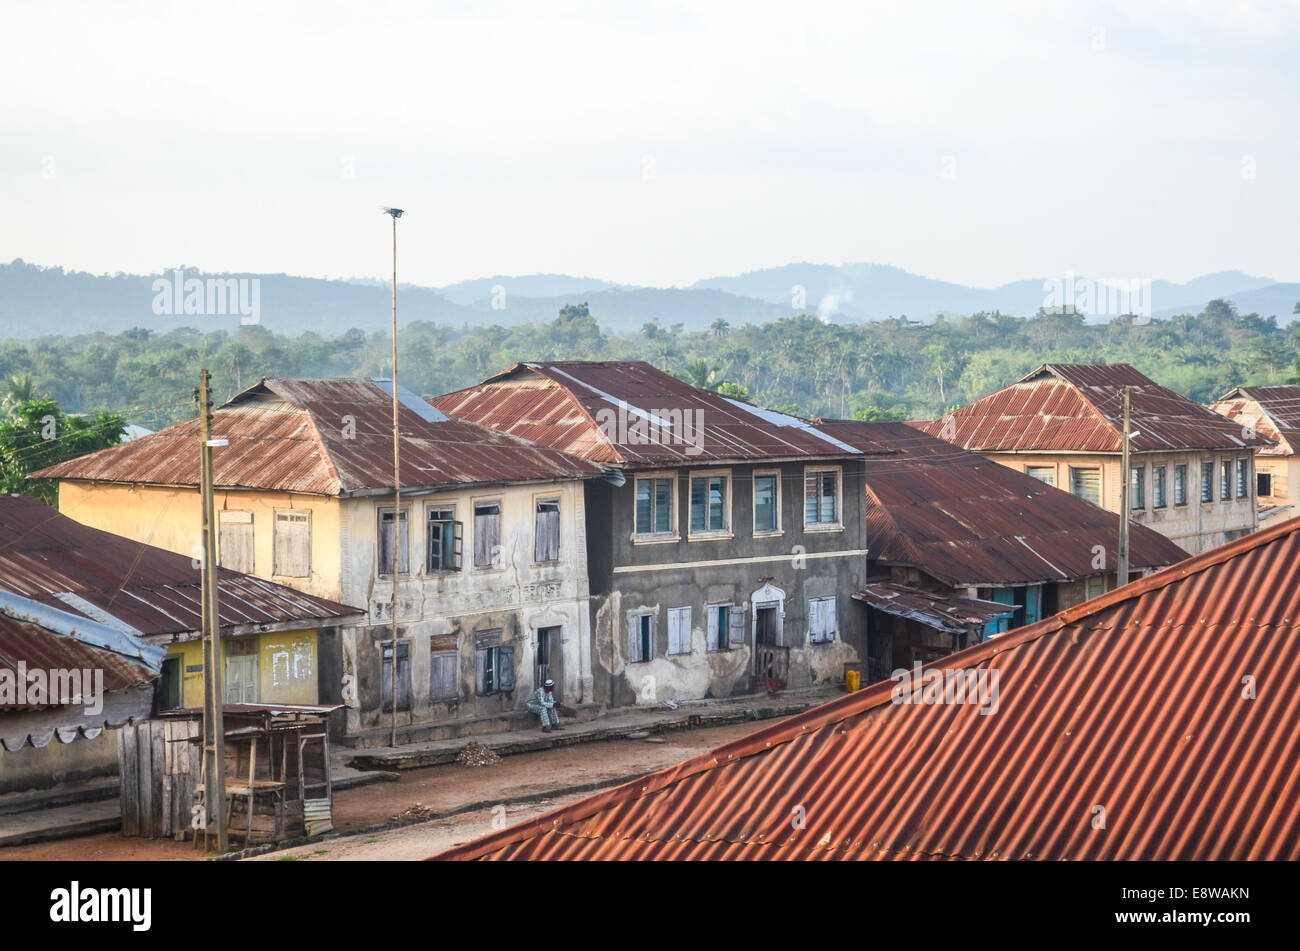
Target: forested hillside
895	368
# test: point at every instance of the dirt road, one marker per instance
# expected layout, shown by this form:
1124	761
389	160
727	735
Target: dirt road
468	793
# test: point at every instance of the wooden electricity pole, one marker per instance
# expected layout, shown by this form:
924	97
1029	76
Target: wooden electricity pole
214	734
1126	500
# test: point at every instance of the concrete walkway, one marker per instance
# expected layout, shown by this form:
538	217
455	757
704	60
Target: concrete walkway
623	724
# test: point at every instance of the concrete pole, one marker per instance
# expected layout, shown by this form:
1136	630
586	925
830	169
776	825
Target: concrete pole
397	488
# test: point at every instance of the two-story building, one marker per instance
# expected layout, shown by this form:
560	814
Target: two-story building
487	554
961	548
1191	472
725	556
1273	412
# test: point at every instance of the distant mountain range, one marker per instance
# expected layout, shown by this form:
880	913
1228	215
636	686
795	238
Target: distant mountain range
35	301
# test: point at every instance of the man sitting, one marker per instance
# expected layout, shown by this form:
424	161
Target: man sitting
543	703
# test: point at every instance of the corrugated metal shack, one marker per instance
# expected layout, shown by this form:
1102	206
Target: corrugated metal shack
277	772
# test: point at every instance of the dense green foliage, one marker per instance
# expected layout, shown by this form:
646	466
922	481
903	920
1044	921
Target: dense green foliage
34	434
890	369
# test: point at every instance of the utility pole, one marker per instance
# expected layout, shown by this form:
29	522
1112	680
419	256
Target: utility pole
395	213
1126	498
214	733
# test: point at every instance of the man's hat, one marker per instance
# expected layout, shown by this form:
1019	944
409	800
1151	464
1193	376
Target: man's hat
549	684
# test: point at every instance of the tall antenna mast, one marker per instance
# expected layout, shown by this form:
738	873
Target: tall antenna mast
395	213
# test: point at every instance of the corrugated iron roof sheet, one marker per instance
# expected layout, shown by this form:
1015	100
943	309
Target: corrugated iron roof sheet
1134	702
59	562
327	437
1272	411
627	413
950	614
969	521
1079	407
109	675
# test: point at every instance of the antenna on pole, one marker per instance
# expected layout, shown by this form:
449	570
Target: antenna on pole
214	733
395	213
1126	499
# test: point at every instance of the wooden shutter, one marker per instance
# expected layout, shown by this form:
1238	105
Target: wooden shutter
444	675
480	670
506	668
711	613
458	545
292	544
810	496
487	534
235	541
546	531
679	630
737	624
634	639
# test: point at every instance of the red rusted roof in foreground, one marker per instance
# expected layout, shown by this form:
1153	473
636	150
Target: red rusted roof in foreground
326	437
1079	407
1132	701
59	562
1272	411
628	413
969	521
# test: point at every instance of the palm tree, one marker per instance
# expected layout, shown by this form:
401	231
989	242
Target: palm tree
720	327
19	390
699	373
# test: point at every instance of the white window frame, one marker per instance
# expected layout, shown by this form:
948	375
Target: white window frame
753	499
709	534
430	507
397	541
1101	488
635	622
674	532
838	524
1051	469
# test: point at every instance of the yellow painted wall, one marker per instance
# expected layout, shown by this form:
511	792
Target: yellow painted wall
170	518
286	668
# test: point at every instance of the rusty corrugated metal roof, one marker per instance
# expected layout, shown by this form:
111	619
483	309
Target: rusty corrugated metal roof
1136	702
969	521
951	614
326	437
68	676
1079	407
1272	411
629	414
59	562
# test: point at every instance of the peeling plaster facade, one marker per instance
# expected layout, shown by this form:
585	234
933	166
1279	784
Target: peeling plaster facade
780	571
444	612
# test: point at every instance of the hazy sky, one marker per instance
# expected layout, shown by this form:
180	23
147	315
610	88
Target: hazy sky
653	143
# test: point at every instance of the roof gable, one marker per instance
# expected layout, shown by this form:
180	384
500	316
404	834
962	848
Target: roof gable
1080	408
327	437
1273	411
629	413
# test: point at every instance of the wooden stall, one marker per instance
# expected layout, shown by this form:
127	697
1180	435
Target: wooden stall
277	772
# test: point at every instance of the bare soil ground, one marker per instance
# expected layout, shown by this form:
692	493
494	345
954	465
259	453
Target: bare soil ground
439	789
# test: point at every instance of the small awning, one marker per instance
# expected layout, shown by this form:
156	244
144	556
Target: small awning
952	615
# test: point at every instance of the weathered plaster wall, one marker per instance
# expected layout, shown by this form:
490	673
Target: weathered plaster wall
1195	526
518	596
631	577
172	519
